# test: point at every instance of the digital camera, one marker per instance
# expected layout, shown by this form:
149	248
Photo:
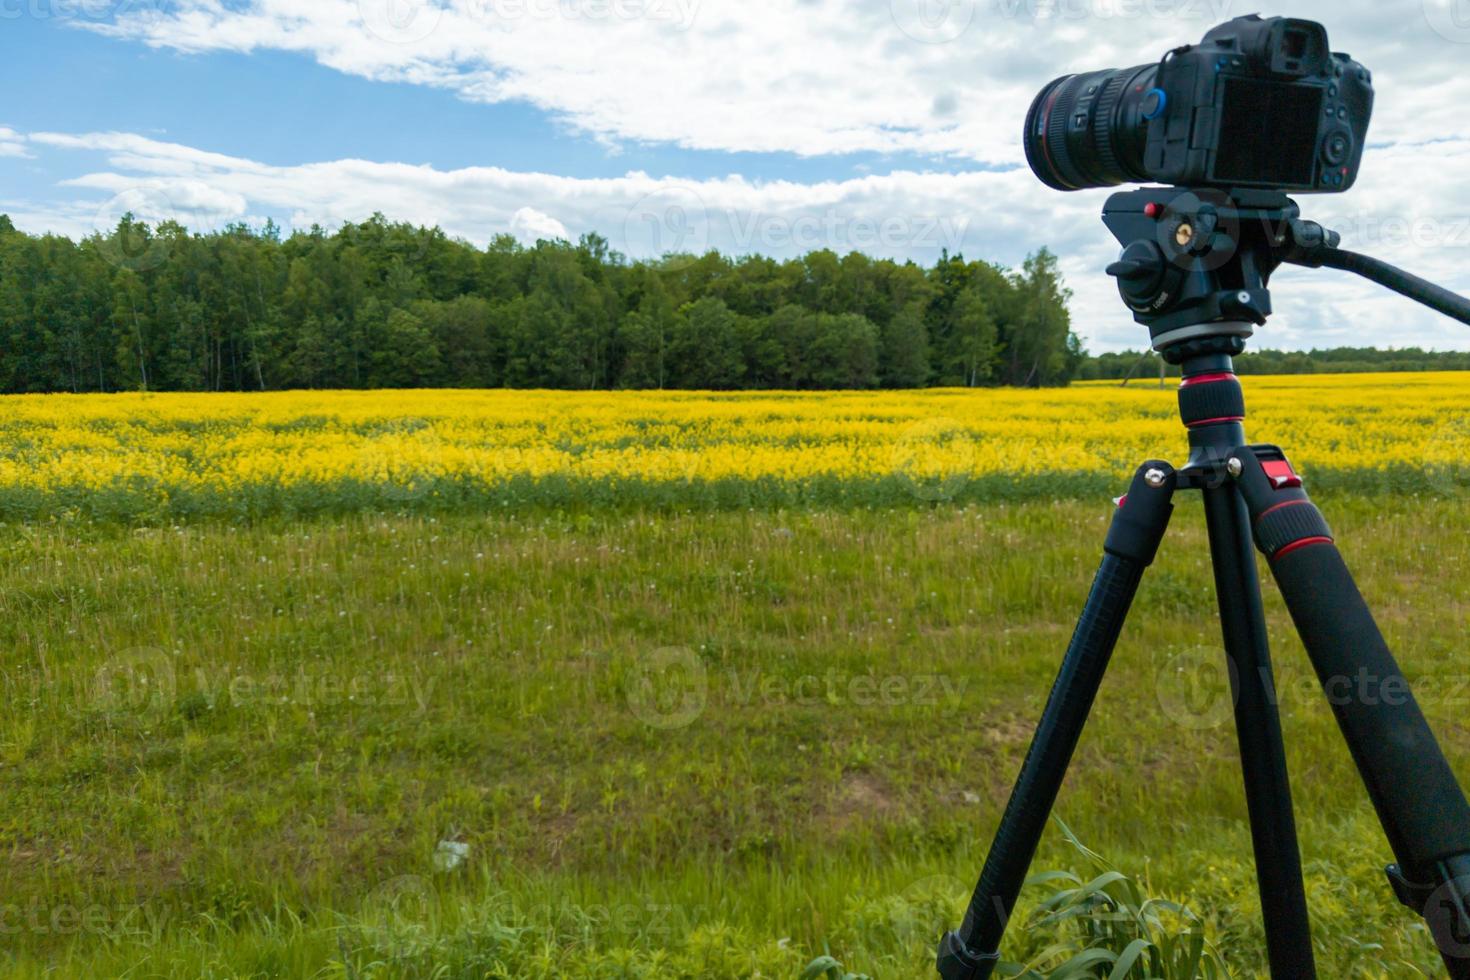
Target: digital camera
1259	103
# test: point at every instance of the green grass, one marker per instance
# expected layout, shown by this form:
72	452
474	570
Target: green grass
714	744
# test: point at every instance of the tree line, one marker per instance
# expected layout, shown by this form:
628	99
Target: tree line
383	304
1334	360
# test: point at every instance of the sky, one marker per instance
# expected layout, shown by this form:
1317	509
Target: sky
890	127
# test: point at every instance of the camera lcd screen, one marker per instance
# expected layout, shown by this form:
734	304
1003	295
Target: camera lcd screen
1268	133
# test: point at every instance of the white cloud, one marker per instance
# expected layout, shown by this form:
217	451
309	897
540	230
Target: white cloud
941	77
530	226
1410	208
12	144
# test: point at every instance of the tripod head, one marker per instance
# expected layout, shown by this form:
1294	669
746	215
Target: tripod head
1196	264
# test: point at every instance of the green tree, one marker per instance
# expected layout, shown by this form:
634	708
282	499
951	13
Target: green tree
904	356
407	356
973	336
706	346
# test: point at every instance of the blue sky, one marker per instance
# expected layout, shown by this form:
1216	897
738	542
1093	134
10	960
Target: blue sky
286	109
888	126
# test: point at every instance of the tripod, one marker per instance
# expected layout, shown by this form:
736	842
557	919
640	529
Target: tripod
1194	269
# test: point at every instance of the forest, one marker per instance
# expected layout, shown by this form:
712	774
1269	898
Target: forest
382	304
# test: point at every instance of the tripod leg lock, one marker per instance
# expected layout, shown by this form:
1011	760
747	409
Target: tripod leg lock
959	962
1143	514
1283	518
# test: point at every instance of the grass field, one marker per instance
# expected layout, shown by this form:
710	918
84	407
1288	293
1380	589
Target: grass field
434	730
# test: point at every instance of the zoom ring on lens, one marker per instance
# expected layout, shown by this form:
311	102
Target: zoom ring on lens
1109	168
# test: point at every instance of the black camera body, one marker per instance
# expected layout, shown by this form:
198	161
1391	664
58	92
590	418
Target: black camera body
1258	103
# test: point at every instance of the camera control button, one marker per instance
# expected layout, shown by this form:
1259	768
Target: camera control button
1154	101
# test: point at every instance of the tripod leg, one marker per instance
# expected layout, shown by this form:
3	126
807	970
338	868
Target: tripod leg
1258	730
1421	806
971	952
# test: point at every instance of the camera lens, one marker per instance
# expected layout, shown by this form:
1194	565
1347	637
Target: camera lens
1088	130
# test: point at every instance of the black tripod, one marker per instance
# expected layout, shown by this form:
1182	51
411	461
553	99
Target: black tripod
1194	269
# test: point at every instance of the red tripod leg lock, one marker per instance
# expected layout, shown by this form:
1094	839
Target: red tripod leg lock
1283	519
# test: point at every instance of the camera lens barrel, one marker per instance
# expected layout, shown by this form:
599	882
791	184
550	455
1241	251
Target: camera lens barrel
1088	130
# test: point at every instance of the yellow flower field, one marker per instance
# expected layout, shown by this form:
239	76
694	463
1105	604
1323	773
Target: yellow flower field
147	456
